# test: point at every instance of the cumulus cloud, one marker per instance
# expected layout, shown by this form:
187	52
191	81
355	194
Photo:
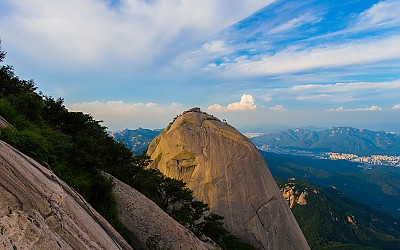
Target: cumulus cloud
217	108
246	103
278	108
397	106
342	109
92	31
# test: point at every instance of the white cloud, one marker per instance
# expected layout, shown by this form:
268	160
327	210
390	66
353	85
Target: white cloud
246	103
151	104
383	13
278	108
215	46
397	106
338	92
296	22
91	31
344	87
217	108
341	109
266	98
121	108
119	115
295	59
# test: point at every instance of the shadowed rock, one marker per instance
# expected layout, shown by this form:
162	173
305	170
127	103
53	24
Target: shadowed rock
149	226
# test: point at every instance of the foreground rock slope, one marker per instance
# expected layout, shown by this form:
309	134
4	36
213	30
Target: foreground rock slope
225	170
39	211
148	225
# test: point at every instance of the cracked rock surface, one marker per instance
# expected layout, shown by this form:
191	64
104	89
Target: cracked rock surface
225	170
39	211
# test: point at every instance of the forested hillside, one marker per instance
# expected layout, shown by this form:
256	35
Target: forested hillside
330	220
378	187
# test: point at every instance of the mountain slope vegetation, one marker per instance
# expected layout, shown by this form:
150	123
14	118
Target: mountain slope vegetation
378	187
330	220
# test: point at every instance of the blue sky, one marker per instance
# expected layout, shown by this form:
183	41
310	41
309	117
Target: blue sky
137	63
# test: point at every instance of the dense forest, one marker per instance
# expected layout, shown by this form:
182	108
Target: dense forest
77	148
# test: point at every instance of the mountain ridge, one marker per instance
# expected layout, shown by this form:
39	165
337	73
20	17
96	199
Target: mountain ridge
136	140
337	139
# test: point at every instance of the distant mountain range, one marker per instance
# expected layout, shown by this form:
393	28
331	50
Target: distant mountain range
330	220
136	140
337	139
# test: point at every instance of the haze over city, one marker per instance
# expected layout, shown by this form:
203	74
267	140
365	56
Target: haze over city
138	63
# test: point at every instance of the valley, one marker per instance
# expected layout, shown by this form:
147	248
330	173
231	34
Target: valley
331	220
378	187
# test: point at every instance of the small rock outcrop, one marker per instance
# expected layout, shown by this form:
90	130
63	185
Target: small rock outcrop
225	170
39	211
148	225
293	196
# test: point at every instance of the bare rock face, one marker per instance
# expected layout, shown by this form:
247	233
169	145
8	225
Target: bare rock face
149	226
39	211
225	170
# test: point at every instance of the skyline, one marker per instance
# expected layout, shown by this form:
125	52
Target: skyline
136	63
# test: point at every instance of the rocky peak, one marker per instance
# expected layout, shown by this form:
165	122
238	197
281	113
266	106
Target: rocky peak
225	170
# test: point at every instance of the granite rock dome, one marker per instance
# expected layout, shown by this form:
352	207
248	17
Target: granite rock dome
225	170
